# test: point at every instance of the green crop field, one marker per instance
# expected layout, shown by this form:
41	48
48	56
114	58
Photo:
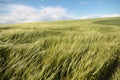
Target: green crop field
61	50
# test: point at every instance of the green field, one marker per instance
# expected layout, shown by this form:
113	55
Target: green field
61	50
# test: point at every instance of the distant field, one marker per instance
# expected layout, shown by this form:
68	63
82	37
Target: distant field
115	22
61	50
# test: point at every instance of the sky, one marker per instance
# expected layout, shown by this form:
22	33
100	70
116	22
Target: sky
19	11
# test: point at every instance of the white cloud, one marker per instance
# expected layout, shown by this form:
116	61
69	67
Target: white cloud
98	16
110	15
22	13
84	3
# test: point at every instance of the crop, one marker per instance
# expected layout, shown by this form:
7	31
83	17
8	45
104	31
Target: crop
61	50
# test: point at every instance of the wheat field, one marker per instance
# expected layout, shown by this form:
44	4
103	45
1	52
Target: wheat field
61	50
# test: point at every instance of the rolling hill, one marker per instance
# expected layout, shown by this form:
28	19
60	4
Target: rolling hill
61	50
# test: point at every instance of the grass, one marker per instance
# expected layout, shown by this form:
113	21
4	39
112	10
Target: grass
61	50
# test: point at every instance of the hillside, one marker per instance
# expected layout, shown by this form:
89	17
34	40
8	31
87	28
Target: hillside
61	50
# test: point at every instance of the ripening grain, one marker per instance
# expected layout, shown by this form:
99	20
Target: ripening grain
62	50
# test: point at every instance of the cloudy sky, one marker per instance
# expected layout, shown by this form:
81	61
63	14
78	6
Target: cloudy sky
18	11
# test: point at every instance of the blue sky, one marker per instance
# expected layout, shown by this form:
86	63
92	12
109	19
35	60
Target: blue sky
13	11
